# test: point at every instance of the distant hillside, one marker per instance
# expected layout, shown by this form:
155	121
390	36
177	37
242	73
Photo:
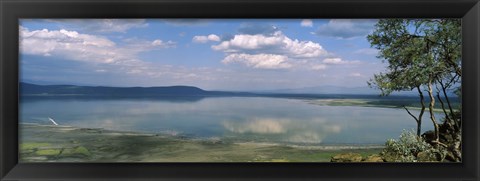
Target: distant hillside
32	89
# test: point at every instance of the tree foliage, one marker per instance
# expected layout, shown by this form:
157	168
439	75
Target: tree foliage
417	50
422	54
410	148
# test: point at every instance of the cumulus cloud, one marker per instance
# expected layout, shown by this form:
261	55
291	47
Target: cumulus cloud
346	28
66	43
306	23
71	45
205	39
278	43
247	42
274	51
262	61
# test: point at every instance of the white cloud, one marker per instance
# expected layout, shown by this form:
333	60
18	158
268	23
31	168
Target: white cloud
261	61
213	37
160	43
247	42
205	39
278	43
276	51
66	43
96	50
200	39
306	23
338	61
346	28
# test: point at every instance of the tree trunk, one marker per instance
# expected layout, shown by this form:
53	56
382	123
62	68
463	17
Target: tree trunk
419	122
457	146
430	108
447	117
444	90
454	121
419	128
422	110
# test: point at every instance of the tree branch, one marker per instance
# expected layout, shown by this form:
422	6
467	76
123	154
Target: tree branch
413	116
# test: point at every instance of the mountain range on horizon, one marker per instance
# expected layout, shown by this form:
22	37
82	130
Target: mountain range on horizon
35	89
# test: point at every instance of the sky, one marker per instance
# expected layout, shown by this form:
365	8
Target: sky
212	54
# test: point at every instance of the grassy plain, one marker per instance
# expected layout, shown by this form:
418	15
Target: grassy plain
40	143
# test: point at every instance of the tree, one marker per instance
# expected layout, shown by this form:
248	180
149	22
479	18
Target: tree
405	57
422	54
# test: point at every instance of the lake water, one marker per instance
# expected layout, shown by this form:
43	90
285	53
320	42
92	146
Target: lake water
271	120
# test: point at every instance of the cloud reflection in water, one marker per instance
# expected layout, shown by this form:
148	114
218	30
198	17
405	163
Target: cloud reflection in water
280	129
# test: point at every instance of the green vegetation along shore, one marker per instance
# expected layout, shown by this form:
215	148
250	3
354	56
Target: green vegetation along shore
42	143
371	103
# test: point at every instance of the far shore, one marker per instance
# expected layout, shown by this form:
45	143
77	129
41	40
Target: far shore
48	143
365	103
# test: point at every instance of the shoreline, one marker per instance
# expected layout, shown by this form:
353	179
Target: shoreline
362	103
48	143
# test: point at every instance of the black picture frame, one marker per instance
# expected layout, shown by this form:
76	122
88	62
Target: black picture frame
13	10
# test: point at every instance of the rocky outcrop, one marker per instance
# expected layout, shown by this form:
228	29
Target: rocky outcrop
347	157
428	157
450	139
373	158
355	157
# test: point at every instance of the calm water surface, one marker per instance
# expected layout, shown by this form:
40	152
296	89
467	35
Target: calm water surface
277	120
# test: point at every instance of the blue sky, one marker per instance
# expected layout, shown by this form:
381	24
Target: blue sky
213	54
